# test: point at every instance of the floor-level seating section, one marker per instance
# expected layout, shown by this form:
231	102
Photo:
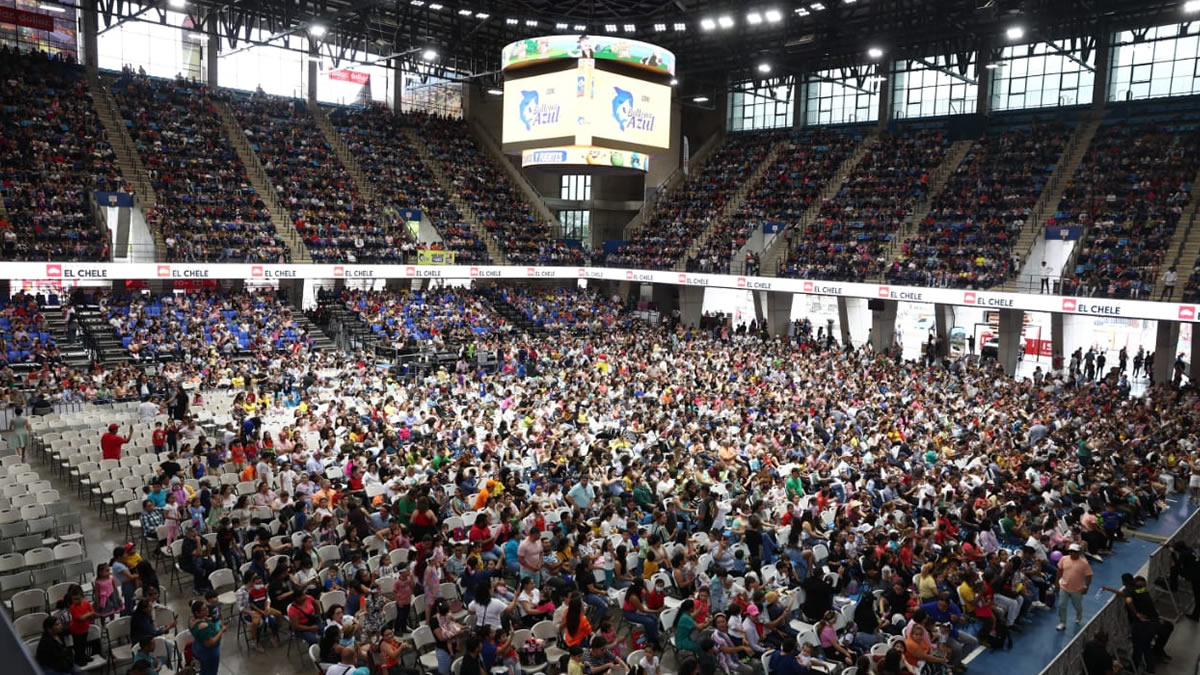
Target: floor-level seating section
679	219
440	316
401	181
309	180
849	239
54	155
209	322
967	238
24	337
491	195
1128	195
207	208
801	171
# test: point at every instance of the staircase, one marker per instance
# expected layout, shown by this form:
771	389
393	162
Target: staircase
540	210
73	351
937	182
775	253
493	249
342	151
1184	249
732	206
128	160
284	227
1052	194
321	341
513	315
100	335
673	182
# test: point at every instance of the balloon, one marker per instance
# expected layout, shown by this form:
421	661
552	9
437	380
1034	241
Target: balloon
1055	556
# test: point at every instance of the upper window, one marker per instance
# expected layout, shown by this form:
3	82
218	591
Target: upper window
752	108
1162	62
1042	75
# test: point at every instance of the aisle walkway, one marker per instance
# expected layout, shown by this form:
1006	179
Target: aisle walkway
1038	644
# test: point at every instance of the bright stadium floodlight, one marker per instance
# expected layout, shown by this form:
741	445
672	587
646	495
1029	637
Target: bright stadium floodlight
674	82
465	12
532	23
435	6
1015	32
764	67
610	27
417	3
316	30
429	54
773	16
512	22
708	24
700	99
560	26
495	92
629	28
482	15
817	6
875	52
660	27
579	27
1191	6
725	21
802	12
680	27
754	18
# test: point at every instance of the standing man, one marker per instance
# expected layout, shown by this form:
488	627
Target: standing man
529	554
1168	288
1045	277
111	442
1074	578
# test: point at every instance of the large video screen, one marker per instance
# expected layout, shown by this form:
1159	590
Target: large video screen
542	108
629	112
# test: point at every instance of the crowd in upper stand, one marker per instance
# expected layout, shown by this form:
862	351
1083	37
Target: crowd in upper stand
401	181
562	308
1128	194
207	208
782	194
53	155
439	316
967	238
24	337
311	184
849	239
496	202
196	326
683	215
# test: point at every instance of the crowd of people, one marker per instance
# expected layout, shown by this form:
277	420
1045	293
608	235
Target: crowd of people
489	192
967	238
440	316
191	326
1128	196
849	239
325	206
402	181
728	493
684	214
784	192
54	155
207	209
557	309
24	337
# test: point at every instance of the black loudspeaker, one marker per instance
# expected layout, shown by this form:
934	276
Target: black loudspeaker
875	304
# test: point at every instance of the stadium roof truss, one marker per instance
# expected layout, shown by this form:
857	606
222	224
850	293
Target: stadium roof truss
468	36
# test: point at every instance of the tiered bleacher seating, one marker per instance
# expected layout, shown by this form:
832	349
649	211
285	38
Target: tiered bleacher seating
207	209
496	202
198	323
442	315
783	193
1128	195
311	183
850	237
557	309
23	334
402	182
966	239
682	217
53	156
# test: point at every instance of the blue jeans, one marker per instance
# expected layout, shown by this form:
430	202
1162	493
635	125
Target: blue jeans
209	657
309	636
598	601
444	661
647	621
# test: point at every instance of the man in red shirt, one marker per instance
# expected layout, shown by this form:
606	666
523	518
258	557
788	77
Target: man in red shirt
111	442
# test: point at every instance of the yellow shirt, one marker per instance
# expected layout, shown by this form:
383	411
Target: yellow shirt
967	595
926	587
649	569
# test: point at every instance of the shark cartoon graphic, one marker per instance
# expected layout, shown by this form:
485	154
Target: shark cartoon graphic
529	104
622	107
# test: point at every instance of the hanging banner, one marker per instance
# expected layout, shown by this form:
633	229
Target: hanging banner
354	76
687	154
27	19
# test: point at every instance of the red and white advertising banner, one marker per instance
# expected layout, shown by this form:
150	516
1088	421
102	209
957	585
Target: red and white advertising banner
1122	309
354	76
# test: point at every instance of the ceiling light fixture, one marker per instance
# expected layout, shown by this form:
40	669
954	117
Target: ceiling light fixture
754	18
992	66
708	24
511	21
725	21
531	22
435	6
875	52
178	4
700	99
629	28
817	6
316	30
680	27
482	15
495	92
610	27
580	27
1015	32
417	3
764	67
429	54
674	82
560	26
465	12
660	27
773	16
1191	6
802	12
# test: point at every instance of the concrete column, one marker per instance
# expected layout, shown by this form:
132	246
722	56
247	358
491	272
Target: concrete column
943	321
779	313
213	50
800	110
760	306
883	326
844	319
398	89
1103	59
1009	348
983	75
885	94
91	34
294	289
314	50
1058	339
1166	344
691	305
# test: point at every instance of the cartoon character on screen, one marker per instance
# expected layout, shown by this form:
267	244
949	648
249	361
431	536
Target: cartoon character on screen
529	107
622	107
584	48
